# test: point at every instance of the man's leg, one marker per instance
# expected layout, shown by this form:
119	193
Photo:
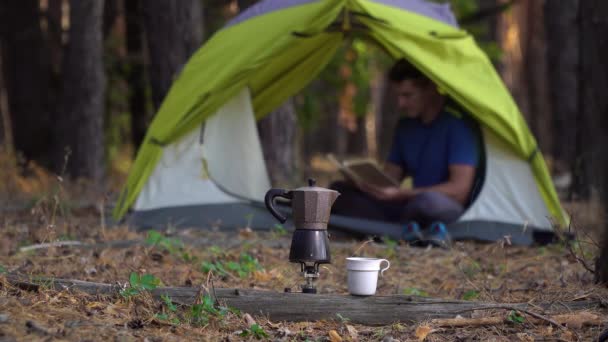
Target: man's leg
431	206
355	203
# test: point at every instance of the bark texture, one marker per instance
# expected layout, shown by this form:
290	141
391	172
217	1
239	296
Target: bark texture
136	71
278	137
278	306
80	127
173	31
563	60
26	73
594	107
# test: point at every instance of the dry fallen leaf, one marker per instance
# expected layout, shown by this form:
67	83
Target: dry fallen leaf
334	336
567	336
578	319
354	334
249	320
262	276
525	337
246	233
423	331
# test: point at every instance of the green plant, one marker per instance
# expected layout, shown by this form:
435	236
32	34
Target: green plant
391	247
470	295
256	331
139	284
243	267
471	269
201	313
412	291
3	269
168	303
172	245
249	218
215	250
216	267
342	318
278	230
170	315
515	317
156	239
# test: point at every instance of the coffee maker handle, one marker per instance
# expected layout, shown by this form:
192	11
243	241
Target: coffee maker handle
269	201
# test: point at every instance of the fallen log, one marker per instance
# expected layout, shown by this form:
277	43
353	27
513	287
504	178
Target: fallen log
279	306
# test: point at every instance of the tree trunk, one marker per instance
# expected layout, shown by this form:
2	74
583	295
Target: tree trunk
594	83
54	32
277	134
26	73
6	133
173	31
386	120
562	32
535	74
80	127
136	72
357	139
521	39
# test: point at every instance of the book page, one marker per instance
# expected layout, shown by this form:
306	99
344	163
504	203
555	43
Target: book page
369	171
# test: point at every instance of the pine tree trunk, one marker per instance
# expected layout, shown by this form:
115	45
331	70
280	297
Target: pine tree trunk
26	73
80	127
594	82
536	74
173	31
136	71
6	133
386	120
277	134
562	32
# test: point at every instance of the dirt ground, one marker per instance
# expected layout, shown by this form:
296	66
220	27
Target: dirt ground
246	259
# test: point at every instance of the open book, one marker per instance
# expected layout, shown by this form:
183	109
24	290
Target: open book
364	170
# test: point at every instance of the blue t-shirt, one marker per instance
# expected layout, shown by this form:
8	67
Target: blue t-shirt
425	151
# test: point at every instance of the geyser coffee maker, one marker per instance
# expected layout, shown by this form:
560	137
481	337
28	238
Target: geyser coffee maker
311	206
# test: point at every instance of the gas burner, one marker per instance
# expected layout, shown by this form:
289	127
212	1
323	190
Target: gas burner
310	274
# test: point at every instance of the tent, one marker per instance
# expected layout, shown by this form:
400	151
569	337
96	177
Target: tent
201	162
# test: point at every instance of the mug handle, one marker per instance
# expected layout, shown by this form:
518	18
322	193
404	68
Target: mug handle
388	265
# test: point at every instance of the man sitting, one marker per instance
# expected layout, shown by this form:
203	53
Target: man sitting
436	148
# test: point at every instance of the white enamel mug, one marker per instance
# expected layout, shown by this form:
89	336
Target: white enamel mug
362	275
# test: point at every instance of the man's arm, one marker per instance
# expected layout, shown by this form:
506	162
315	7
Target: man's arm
457	187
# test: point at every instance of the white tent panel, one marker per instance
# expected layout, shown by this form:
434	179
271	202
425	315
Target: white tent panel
179	178
509	192
233	156
233	151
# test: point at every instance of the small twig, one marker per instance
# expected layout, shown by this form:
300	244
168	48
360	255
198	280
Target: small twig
49	245
202	289
356	252
503	307
576	257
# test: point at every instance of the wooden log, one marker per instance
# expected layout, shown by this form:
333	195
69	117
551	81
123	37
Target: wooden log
279	306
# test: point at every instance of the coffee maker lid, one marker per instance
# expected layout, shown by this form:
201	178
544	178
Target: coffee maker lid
313	188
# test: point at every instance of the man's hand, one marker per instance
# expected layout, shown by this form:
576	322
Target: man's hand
391	193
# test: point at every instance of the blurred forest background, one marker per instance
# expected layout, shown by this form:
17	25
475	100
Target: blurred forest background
80	80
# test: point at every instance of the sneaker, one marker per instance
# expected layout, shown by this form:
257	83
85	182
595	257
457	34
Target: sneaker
411	232
438	235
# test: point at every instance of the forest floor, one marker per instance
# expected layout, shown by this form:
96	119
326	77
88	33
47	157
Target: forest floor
497	273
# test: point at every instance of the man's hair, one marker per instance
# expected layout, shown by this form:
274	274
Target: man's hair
403	70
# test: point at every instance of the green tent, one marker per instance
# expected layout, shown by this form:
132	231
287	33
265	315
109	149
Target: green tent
275	48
